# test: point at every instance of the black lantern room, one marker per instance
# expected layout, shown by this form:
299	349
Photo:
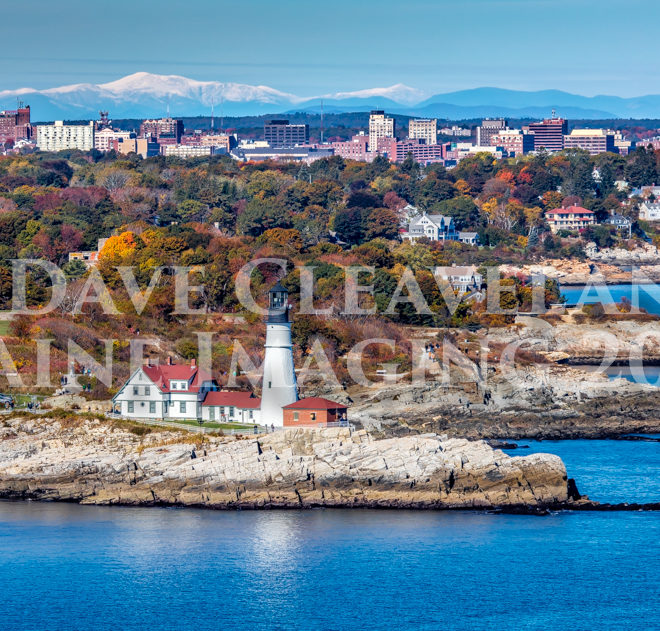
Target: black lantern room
278	304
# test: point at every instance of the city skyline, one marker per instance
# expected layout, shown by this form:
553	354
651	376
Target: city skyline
315	51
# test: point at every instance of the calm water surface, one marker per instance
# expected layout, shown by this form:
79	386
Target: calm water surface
67	567
606	470
645	296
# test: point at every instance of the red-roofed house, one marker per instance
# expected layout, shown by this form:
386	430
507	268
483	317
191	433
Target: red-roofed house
313	411
570	218
236	407
169	391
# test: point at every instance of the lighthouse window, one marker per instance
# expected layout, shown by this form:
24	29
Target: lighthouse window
270	384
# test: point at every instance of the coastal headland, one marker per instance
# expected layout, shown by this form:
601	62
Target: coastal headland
96	461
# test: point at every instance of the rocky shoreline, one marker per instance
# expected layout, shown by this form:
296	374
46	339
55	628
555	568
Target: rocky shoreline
91	461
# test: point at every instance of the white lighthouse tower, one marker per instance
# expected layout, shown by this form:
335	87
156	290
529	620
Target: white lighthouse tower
279	386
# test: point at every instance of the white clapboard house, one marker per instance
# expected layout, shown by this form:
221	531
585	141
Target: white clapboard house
433	227
168	391
231	407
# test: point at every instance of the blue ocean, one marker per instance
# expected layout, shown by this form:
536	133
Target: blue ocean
645	297
69	567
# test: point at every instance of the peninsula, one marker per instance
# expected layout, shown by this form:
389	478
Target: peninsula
95	461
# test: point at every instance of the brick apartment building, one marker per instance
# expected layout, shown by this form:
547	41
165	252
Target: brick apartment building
164	130
398	150
513	141
15	124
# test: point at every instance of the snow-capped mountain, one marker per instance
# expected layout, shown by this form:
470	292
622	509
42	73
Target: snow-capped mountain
143	94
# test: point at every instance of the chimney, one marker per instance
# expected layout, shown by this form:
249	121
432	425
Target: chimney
169	360
193	362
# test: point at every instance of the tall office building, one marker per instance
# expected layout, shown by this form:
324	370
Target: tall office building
59	136
489	127
594	141
15	124
549	134
280	134
380	126
425	129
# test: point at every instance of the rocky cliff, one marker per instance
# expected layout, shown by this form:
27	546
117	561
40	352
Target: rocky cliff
93	461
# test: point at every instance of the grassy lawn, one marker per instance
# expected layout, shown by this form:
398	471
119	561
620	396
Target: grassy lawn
21	400
4	327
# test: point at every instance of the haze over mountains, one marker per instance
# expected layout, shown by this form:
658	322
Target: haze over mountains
142	95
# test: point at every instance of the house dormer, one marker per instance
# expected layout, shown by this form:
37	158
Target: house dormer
178	385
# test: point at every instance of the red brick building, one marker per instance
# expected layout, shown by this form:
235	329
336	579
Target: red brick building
398	150
15	124
313	411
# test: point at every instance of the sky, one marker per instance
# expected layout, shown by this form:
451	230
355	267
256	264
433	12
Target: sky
314	47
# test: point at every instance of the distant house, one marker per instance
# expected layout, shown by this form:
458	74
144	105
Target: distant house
170	391
314	411
89	257
471	238
231	407
433	227
462	278
570	218
649	211
646	192
620	223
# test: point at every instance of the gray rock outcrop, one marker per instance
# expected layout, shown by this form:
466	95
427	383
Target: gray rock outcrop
95	462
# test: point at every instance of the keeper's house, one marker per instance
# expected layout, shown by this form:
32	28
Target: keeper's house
169	392
314	411
231	407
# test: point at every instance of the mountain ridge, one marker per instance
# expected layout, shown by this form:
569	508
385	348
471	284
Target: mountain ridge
143	94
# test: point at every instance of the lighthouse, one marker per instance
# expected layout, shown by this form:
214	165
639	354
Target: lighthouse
279	386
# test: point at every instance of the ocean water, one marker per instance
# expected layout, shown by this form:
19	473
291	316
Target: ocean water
647	296
634	372
67	567
611	471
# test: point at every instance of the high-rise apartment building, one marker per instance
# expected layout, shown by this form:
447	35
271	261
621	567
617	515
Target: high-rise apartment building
59	136
104	138
280	134
163	129
489	127
380	126
425	129
549	134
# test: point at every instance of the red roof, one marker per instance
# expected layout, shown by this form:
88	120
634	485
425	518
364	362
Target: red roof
314	403
161	375
570	210
242	400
